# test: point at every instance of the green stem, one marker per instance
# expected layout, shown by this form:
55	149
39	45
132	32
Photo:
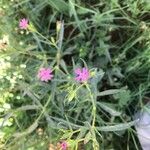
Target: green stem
53	44
94	105
43	109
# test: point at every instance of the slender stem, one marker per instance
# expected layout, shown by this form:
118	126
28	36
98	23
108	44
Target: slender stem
53	44
43	109
93	103
60	40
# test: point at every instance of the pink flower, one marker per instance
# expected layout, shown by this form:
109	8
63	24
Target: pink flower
45	74
64	145
82	75
23	24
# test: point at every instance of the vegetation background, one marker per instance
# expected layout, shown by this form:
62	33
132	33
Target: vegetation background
110	37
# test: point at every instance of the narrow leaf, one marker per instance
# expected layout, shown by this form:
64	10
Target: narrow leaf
28	131
118	127
111	111
109	92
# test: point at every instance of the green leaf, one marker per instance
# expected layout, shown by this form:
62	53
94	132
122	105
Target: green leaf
118	127
124	97
109	92
96	78
72	12
108	109
59	5
27	131
83	10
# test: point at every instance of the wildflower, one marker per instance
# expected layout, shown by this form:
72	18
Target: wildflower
23	24
18	97
82	75
64	145
22	66
20	76
21	43
4	42
45	74
40	131
8	58
6	106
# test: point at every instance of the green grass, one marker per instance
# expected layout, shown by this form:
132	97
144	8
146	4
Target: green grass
111	38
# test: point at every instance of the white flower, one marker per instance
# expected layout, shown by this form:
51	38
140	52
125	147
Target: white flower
18	97
8	77
22	66
20	76
5	39
2	134
20	43
1	109
12	81
6	106
8	58
15	73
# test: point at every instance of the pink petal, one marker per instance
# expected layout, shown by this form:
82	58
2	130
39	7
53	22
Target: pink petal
78	71
64	145
45	74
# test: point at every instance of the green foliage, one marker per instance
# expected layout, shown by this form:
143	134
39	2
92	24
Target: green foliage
110	38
